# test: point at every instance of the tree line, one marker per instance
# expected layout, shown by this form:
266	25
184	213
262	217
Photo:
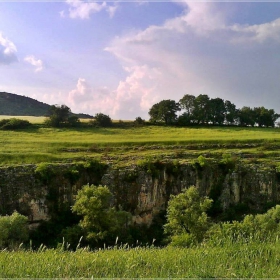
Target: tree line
202	110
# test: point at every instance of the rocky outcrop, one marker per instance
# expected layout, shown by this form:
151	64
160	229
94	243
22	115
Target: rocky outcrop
142	190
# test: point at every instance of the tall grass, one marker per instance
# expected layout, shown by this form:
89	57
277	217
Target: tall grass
253	260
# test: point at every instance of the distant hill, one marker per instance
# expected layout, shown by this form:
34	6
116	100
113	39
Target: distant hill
17	105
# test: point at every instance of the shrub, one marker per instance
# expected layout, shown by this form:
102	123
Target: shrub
14	123
102	120
60	116
139	121
100	221
261	227
186	214
183	240
74	121
13	230
45	171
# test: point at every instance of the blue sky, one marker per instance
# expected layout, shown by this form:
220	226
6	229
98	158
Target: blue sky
120	58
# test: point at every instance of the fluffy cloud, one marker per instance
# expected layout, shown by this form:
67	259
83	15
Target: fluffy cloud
8	51
81	93
85	98
37	63
83	10
200	52
133	96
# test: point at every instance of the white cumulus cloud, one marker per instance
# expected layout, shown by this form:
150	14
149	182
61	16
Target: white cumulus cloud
8	50
201	52
83	10
37	63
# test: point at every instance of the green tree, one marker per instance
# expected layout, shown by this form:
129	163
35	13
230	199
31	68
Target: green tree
13	230
102	120
187	103
100	220
139	121
201	109
231	113
164	111
186	215
61	116
247	116
265	117
217	111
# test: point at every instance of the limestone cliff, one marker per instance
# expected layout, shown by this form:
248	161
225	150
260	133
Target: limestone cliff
142	190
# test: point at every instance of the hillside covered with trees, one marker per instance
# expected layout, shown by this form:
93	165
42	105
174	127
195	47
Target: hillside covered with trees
17	105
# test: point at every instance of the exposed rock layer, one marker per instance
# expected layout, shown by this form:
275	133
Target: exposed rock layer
142	191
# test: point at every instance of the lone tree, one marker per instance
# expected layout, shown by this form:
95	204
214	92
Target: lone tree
101	221
61	115
102	120
164	111
186	214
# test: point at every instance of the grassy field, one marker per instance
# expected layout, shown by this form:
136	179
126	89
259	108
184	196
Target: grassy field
253	260
41	144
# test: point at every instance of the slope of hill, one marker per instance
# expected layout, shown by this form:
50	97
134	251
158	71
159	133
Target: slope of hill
17	105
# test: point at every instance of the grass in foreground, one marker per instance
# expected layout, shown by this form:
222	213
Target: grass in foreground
254	260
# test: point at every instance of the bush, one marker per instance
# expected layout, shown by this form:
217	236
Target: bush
101	221
139	121
183	240
14	123
101	120
186	214
45	171
74	121
60	116
261	227
13	230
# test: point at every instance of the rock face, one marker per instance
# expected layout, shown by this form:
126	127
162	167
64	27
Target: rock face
144	191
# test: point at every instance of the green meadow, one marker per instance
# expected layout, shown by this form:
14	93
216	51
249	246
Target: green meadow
251	260
126	146
42	144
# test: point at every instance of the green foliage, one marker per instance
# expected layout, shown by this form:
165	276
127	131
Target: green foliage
101	120
73	121
256	260
164	111
173	168
60	116
151	166
201	109
96	167
200	163
228	162
17	105
13	230
13	123
265	117
139	121
45	171
100	220
74	236
187	103
186	214
261	227
72	174
183	240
